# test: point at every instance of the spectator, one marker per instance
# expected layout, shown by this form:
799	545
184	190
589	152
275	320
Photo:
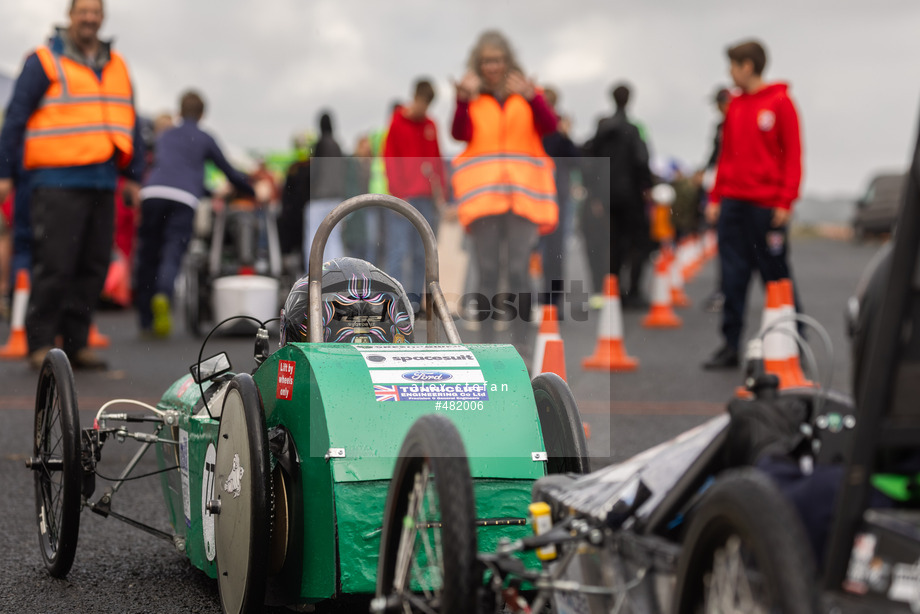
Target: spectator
72	173
169	199
617	201
415	173
294	197
714	301
503	180
6	256
357	227
564	152
758	177
327	190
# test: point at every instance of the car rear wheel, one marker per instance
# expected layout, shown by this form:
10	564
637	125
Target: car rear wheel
428	545
56	464
242	522
745	551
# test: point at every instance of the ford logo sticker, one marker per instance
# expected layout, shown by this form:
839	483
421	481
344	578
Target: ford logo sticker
427	376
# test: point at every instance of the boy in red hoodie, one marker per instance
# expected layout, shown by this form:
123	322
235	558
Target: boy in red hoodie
757	180
415	173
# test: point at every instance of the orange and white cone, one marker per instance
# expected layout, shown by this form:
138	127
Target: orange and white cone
710	245
17	346
679	298
95	339
549	330
661	314
695	259
554	358
795	376
610	354
685	259
780	350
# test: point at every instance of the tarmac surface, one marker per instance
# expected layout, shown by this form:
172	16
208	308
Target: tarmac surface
120	569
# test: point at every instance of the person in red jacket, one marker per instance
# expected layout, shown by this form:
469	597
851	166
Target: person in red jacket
757	180
415	173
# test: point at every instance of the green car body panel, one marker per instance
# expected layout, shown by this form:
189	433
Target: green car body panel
347	409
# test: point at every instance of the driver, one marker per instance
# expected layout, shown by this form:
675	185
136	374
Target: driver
361	304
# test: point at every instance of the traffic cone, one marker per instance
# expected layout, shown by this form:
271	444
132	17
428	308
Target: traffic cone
535	265
661	315
679	298
549	330
684	259
695	259
710	245
795	376
17	346
610	354
554	358
95	339
117	287
780	350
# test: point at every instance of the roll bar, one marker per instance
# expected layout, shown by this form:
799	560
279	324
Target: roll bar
433	294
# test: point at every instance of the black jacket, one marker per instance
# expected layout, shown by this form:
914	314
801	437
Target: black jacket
619	141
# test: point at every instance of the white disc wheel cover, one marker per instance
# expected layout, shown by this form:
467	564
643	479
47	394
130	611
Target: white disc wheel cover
234	526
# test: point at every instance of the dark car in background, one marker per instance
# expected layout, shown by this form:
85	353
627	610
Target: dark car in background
877	210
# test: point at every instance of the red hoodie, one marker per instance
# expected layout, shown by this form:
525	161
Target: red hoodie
761	157
410	146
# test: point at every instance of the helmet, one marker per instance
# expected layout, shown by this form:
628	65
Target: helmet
361	304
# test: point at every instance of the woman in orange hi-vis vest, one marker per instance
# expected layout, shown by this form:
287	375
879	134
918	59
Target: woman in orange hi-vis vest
503	181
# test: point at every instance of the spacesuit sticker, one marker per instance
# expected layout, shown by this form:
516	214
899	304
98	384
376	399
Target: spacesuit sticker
419	359
285	389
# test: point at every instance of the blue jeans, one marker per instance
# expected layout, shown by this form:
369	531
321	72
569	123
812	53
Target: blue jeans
403	248
162	238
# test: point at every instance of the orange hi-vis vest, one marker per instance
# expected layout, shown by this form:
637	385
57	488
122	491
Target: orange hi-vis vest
81	119
504	167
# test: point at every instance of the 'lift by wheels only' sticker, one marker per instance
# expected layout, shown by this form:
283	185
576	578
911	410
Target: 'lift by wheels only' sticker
285	389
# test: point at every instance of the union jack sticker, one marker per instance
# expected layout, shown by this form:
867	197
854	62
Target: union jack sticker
386	393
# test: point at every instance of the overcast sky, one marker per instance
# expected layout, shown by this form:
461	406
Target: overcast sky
268	67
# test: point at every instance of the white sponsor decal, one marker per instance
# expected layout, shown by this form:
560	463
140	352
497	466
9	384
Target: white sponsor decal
207	493
427	376
234	482
377	360
432	392
183	472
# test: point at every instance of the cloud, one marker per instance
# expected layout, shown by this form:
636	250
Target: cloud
267	68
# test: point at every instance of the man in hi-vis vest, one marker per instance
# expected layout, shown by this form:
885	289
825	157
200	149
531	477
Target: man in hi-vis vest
72	119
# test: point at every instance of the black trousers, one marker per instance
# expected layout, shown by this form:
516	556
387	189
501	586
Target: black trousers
747	242
630	246
72	232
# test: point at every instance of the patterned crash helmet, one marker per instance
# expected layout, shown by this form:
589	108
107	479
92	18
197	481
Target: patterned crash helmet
360	304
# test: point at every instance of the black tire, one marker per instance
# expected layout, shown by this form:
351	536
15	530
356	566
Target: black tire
242	528
56	464
745	518
195	294
560	422
432	462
